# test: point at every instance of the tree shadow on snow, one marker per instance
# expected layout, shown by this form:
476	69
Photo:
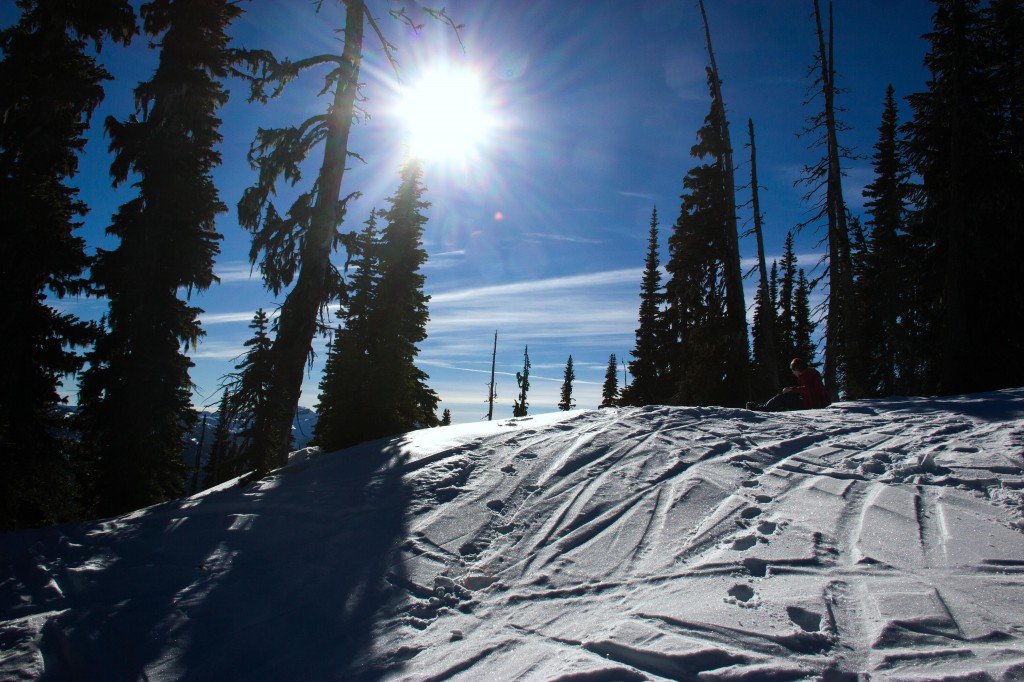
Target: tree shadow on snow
992	406
282	579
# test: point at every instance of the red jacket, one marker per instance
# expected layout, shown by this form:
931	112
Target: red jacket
811	389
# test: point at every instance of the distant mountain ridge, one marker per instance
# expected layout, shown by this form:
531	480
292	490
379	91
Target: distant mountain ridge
302	433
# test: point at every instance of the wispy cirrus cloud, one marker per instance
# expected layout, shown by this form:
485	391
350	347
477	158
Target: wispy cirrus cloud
237	271
217	350
557	315
226	318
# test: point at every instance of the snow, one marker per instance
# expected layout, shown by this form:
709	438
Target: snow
881	538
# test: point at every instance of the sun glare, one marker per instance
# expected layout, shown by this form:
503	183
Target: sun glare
445	115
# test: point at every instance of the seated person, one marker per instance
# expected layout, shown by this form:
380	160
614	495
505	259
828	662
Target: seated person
808	394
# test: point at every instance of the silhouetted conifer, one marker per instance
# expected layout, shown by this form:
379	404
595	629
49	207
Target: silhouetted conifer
963	141
372	387
610	389
786	317
51	86
250	395
137	391
884	302
521	407
400	315
650	384
566	401
219	467
803	326
701	353
349	393
735	347
297	246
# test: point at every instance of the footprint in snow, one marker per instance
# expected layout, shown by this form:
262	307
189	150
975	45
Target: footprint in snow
743	543
742	595
750	512
756	567
808	621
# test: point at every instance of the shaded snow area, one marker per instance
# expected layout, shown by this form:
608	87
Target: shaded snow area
880	539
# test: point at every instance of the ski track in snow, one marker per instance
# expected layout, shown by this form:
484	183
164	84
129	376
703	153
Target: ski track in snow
881	538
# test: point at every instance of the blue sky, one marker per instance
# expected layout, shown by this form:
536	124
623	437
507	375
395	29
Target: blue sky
541	235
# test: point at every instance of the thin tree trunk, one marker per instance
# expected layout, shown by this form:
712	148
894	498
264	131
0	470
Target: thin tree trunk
733	271
199	457
772	367
297	324
490	393
837	333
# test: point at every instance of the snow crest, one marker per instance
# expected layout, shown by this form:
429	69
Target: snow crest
878	537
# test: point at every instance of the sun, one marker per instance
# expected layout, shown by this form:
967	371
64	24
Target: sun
445	115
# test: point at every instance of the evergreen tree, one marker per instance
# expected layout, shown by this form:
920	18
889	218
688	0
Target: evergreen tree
702	347
446	418
773	290
371	386
736	347
566	401
219	467
400	314
520	407
648	364
250	388
51	86
610	389
765	355
884	306
963	142
297	247
786	318
348	391
136	394
803	327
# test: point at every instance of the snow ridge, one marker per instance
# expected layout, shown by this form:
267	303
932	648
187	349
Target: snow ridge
877	537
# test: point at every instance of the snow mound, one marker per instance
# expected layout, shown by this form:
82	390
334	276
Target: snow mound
879	537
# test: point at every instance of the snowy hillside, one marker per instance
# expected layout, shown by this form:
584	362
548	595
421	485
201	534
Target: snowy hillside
884	537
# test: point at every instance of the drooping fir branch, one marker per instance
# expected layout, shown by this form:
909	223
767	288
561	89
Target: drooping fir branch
294	249
136	395
51	87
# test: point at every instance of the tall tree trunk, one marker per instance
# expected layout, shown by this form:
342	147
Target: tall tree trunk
737	315
837	333
297	324
771	365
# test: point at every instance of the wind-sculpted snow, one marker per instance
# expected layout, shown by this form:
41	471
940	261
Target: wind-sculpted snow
881	538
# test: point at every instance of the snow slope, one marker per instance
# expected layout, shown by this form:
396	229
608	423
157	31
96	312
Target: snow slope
882	537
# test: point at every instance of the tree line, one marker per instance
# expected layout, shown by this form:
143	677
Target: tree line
919	292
